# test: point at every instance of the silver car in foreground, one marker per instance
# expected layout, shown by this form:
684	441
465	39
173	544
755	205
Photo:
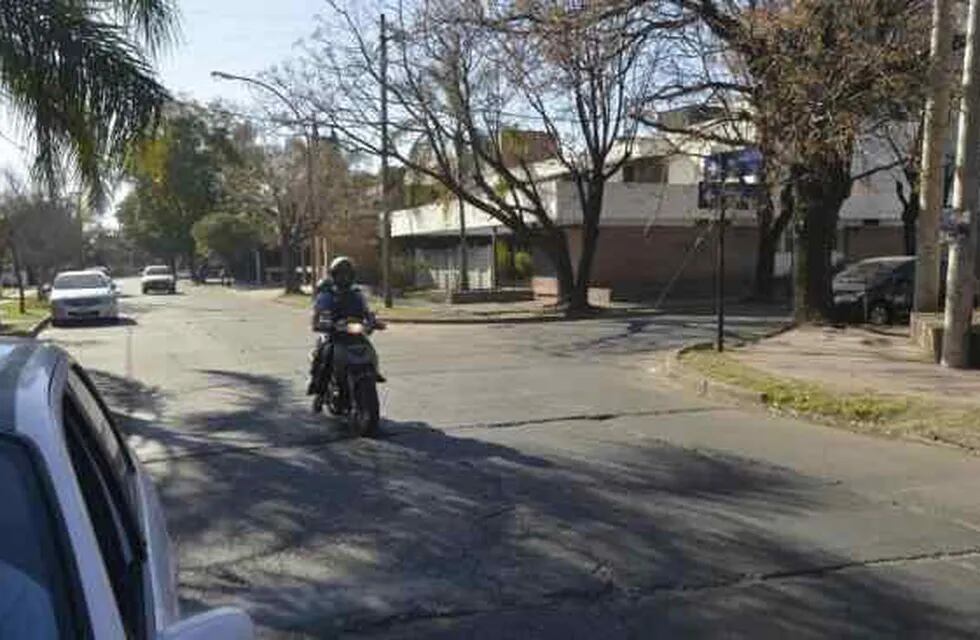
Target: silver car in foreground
83	548
83	295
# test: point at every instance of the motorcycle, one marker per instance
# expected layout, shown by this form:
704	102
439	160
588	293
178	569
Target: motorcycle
350	390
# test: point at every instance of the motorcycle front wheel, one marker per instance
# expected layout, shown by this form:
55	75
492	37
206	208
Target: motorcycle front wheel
366	413
334	399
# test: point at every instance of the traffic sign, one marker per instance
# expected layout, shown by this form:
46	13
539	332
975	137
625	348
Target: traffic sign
733	195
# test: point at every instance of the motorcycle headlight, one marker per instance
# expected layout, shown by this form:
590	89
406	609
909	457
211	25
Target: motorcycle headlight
355	328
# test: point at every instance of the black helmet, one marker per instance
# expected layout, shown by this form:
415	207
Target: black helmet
342	272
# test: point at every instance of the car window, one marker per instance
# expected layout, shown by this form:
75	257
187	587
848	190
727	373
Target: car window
157	271
106	435
112	518
37	578
80	281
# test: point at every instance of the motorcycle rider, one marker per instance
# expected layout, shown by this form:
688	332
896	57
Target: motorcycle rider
337	296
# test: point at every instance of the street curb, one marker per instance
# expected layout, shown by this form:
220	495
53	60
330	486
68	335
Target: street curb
611	314
704	386
39	327
33	332
709	387
538	319
544	318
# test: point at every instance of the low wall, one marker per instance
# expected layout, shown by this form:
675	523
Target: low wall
926	332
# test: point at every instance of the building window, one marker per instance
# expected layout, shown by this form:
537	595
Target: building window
646	170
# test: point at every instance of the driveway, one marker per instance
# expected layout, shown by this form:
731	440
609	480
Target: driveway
534	481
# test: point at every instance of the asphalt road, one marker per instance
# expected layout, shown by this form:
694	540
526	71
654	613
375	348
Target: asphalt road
534	481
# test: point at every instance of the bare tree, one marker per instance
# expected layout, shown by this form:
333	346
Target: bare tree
813	78
469	75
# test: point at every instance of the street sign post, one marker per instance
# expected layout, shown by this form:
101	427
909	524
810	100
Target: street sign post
731	181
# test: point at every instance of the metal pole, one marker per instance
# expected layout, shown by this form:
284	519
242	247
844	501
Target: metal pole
493	259
720	275
81	230
313	166
385	207
464	276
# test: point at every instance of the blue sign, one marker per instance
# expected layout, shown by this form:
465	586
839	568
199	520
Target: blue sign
738	164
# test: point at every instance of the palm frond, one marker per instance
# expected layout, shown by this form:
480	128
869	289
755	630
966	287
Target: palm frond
84	89
155	23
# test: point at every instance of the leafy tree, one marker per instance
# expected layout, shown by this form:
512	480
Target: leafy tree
39	233
177	178
78	73
228	236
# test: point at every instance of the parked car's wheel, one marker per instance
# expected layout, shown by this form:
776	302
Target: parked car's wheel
879	314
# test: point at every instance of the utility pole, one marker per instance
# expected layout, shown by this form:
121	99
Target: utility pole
720	274
80	204
931	176
464	268
313	166
385	199
960	279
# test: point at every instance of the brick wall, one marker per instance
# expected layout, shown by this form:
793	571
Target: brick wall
632	264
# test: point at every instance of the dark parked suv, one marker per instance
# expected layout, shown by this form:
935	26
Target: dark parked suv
876	290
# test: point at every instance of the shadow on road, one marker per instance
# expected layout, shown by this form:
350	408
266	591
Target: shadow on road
630	336
429	533
122	321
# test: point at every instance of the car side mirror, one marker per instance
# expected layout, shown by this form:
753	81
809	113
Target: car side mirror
226	623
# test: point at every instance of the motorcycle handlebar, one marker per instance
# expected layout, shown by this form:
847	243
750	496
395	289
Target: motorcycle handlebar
328	325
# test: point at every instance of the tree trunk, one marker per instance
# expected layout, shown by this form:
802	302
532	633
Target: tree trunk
770	228
591	211
931	176
579	300
289	281
765	253
910	214
960	279
554	244
820	190
21	301
765	266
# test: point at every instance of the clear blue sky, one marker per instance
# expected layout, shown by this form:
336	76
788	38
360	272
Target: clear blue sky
237	36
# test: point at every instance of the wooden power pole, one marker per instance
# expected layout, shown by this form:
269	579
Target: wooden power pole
385	196
960	279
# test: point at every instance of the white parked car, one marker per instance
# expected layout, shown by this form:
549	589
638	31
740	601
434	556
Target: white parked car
83	295
158	278
83	548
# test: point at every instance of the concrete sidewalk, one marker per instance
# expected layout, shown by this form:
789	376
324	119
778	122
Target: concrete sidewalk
420	309
857	359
